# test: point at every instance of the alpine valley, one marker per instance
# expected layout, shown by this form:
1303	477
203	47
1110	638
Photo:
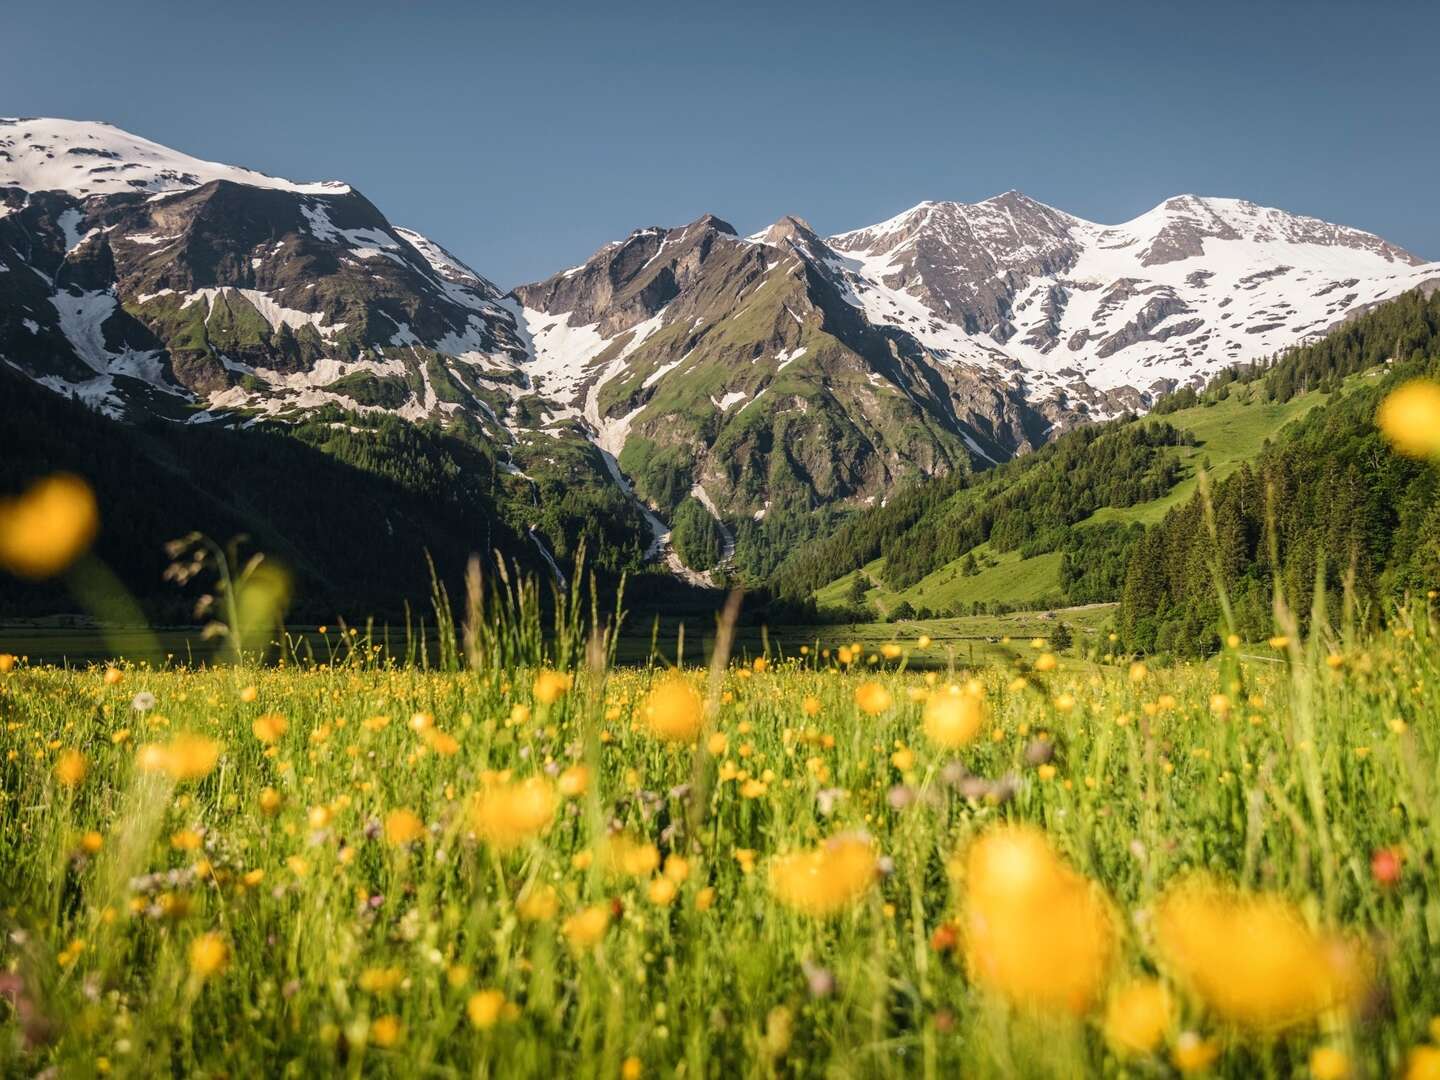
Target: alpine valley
688	399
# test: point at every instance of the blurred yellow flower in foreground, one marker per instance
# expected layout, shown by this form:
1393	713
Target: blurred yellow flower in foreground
209	954
269	727
44	530
1036	932
573	781
619	854
871	698
1423	1063
953	717
1252	958
380	980
587	926
1138	1016
1410	418
185	757
70	768
403	827
1329	1063
550	687
386	1031
825	879
484	1008
505	815
674	711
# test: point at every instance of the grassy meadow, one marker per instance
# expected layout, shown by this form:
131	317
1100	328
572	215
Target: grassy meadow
524	845
818	865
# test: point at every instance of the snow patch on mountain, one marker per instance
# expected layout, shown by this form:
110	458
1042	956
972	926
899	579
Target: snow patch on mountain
86	158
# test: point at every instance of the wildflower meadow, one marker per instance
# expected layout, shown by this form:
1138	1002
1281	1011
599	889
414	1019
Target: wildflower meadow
522	858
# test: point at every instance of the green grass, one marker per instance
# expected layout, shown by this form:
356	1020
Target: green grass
1227	434
334	950
1008	579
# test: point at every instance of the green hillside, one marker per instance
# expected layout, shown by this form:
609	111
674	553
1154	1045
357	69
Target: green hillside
1064	525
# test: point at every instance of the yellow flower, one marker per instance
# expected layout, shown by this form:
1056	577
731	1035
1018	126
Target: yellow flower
484	1008
1194	1054
810	706
923	641
1423	1063
113	676
270	800
953	717
620	854
185	757
705	898
717	744
586	927
662	891
1329	1063
441	742
1045	662
1138	1016
825	879
1036	932
386	1031
550	687
92	842
269	727
1138	672
249	694
70	768
631	1068
48	527
403	827
186	840
538	904
1252	958
209	954
7	663
674	711
871	698
505	815
380	980
573	781
1410	418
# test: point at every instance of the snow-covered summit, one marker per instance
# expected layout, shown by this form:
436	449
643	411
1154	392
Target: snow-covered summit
1172	296
85	158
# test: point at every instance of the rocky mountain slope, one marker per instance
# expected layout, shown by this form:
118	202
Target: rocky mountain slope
757	378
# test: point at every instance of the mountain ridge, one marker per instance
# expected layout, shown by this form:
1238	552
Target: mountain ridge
703	374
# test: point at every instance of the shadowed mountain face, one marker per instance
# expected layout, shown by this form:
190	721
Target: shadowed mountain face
753	377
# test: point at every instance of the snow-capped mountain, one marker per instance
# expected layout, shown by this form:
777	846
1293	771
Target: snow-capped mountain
1193	285
136	277
688	370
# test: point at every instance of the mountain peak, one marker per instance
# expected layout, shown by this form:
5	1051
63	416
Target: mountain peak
789	228
711	221
87	157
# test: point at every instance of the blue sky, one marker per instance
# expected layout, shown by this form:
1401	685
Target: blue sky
524	136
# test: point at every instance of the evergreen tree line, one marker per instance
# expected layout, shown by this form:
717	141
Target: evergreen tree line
1329	503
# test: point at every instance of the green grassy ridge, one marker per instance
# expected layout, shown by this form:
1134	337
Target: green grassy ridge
1227	431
